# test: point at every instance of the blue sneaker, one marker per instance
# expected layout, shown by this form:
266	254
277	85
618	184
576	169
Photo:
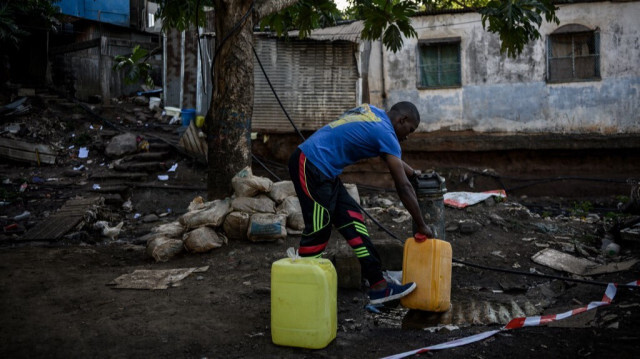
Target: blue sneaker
391	292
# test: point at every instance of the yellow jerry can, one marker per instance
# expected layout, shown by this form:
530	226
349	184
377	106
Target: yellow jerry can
303	302
428	264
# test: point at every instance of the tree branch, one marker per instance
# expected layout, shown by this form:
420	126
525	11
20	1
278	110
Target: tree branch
268	7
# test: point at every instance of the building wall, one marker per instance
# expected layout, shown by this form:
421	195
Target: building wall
501	94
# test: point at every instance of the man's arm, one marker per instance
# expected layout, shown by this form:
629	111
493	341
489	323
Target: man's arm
405	191
410	172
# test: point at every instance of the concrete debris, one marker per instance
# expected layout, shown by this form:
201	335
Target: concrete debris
565	262
155	279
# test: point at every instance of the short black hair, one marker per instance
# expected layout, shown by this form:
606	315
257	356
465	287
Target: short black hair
407	108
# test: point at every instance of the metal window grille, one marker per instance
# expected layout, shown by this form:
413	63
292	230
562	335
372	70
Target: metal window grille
573	56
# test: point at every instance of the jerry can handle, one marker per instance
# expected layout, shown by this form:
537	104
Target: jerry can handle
419	237
292	253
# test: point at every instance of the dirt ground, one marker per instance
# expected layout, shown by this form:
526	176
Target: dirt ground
58	302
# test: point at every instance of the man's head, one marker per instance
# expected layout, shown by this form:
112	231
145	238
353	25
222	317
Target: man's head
405	119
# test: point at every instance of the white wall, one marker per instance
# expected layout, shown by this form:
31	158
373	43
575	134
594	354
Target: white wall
500	94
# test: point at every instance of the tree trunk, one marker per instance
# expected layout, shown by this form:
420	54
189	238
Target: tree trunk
229	117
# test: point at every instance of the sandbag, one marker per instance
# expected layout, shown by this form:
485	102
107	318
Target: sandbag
291	207
163	248
260	204
236	224
245	184
352	189
212	215
266	227
281	190
172	230
196	204
202	240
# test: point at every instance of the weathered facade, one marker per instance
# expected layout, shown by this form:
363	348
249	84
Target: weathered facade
500	94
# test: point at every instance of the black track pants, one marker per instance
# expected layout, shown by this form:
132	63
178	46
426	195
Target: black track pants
325	202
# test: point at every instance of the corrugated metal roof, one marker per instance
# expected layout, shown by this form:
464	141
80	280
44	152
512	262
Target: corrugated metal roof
348	32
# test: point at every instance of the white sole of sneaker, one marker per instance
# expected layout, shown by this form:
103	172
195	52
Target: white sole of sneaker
394	296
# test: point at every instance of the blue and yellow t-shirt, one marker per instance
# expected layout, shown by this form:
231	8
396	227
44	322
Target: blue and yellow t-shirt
362	132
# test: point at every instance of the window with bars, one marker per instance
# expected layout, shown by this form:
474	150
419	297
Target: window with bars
573	54
439	63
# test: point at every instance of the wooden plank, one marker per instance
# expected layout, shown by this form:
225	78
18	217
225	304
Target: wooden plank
192	143
26	156
26	146
64	220
25	151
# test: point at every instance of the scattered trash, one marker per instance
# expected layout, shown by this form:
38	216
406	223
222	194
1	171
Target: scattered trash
465	199
609	247
96	186
163	177
154	279
83	152
23	187
78	168
173	168
22	216
580	266
127	206
373	308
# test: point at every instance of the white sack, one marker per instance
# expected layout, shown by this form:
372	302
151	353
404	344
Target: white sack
236	224
163	248
202	240
282	190
291	207
261	204
212	215
265	227
245	184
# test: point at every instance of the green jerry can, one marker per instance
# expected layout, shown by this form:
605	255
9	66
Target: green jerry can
428	264
303	302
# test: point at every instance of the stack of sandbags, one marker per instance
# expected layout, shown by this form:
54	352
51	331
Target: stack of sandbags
260	210
194	231
255	215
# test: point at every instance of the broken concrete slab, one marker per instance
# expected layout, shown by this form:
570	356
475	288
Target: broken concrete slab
565	262
154	279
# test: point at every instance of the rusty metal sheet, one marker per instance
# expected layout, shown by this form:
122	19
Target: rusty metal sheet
315	80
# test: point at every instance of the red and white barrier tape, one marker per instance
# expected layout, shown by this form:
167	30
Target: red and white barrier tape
515	323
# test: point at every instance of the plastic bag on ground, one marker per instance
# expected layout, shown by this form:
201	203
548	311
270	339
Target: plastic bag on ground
265	227
162	248
245	184
212	216
202	240
236	224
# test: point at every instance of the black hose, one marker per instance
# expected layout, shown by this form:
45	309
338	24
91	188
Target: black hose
276	95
